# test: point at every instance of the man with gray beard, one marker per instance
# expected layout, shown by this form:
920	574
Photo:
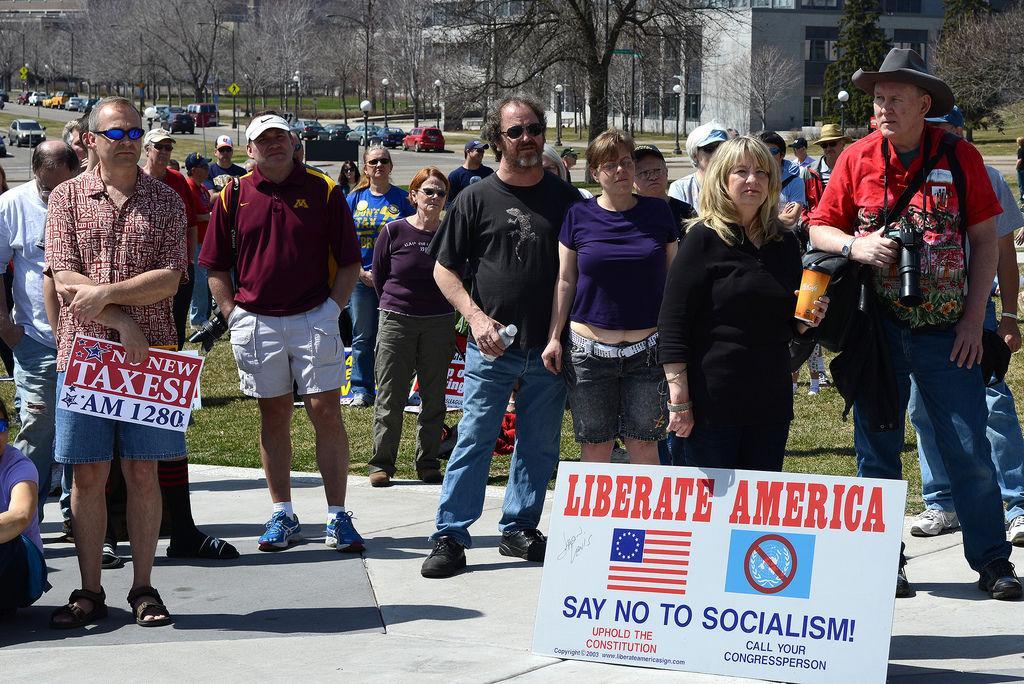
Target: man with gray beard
503	231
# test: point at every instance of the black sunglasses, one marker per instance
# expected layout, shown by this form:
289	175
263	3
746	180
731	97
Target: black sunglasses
829	145
163	147
515	132
430	192
116	134
378	162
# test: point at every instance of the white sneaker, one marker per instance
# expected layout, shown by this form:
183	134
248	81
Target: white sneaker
934	521
1017	531
813	392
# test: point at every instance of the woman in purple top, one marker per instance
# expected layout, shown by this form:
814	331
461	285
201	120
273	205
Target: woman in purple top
415	335
22	569
613	258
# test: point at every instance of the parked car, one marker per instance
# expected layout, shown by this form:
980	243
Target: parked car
23	97
336	132
60	100
166	114
3	146
26	133
90	104
4	97
36	98
204	114
421	139
392	137
75	103
311	129
181	123
357	133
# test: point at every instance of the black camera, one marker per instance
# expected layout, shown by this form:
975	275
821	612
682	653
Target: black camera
910	241
209	332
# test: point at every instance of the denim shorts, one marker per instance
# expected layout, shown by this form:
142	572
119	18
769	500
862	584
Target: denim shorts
272	352
610	397
81	438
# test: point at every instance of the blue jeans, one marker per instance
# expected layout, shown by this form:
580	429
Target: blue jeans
540	405
670	450
199	309
955	401
1004	436
35	375
362	306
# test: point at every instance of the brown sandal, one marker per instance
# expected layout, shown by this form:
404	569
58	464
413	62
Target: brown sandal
143	609
79	617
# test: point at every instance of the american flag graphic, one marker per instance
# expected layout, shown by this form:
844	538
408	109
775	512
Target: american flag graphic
654	561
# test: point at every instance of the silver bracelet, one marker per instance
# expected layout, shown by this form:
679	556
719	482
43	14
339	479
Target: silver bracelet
1007	314
680	408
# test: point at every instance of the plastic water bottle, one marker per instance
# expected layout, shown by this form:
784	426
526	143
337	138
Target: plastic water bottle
507	334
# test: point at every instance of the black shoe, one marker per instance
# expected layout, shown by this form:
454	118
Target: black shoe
999	580
447	558
526	544
68	534
903	589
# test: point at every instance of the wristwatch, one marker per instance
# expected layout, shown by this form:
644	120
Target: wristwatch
847	247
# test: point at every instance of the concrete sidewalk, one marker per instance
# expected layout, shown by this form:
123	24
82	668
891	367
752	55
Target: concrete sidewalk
311	614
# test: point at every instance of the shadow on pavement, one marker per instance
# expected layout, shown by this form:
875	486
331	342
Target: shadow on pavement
237	485
928	647
397	548
965	591
927	675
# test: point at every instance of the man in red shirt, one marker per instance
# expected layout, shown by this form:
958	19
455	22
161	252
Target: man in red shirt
284	314
187	541
934	335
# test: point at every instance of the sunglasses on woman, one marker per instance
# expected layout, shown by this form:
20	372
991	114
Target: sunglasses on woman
378	162
116	134
430	192
829	145
515	132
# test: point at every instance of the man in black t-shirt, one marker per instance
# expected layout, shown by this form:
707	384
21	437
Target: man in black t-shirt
471	171
503	233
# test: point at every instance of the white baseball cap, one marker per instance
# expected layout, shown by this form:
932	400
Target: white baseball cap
264	123
156	135
224	141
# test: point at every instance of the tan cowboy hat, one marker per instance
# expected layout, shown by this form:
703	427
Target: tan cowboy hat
830	132
906	66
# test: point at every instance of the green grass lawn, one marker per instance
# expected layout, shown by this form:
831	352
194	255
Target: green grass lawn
226	431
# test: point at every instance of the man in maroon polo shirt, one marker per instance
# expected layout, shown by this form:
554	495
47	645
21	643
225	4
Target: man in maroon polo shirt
283	315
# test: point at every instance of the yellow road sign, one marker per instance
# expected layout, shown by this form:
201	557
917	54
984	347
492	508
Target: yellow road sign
234	89
23	72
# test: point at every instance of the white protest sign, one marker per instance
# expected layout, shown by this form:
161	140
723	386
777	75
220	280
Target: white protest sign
777	576
159	392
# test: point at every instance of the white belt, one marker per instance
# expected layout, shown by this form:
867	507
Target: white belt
612	351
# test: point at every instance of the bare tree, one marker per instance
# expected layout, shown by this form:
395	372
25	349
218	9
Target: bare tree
521	39
187	33
407	57
766	81
988	75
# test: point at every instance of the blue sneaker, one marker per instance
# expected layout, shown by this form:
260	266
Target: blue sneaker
281	533
342	535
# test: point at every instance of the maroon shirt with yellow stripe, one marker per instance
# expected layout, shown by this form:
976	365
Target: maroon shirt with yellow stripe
290	236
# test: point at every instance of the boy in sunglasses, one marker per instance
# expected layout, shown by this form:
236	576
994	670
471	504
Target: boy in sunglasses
503	231
115	244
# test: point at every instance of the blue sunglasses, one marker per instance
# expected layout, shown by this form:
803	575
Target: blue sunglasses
117	134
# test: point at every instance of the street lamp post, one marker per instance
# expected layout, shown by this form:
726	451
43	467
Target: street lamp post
558	114
297	79
234	104
843	98
678	90
365	106
385	82
437	92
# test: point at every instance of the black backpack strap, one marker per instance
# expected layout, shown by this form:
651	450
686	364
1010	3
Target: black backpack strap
918	180
949	142
234	190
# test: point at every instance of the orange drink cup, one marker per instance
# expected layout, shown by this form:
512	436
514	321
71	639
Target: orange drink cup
812	286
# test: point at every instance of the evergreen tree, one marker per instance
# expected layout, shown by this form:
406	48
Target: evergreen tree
958	11
862	45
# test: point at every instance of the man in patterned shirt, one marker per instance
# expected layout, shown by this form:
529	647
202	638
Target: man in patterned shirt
115	243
